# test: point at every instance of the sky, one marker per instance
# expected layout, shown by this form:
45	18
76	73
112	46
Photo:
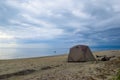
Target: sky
57	24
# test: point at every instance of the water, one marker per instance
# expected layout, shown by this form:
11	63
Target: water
103	48
13	53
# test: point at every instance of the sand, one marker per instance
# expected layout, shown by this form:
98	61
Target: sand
57	68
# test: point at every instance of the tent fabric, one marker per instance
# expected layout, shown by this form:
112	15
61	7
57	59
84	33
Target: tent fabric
80	53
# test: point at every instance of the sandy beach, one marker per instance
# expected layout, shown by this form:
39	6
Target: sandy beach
57	68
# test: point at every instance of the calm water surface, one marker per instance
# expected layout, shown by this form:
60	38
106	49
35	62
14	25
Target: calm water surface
12	53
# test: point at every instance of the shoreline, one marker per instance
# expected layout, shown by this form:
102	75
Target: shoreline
53	55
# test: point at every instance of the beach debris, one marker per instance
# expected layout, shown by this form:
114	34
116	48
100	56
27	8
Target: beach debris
104	58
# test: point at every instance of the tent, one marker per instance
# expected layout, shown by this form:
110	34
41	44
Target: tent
80	53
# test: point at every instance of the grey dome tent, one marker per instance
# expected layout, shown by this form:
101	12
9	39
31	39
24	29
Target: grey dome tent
80	53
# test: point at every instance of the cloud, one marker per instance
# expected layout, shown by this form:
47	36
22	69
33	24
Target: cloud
75	22
5	36
27	33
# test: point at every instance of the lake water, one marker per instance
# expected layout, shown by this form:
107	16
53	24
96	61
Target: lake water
12	53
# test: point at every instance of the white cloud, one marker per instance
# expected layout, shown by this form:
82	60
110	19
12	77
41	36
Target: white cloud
40	22
80	14
53	8
5	36
32	32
